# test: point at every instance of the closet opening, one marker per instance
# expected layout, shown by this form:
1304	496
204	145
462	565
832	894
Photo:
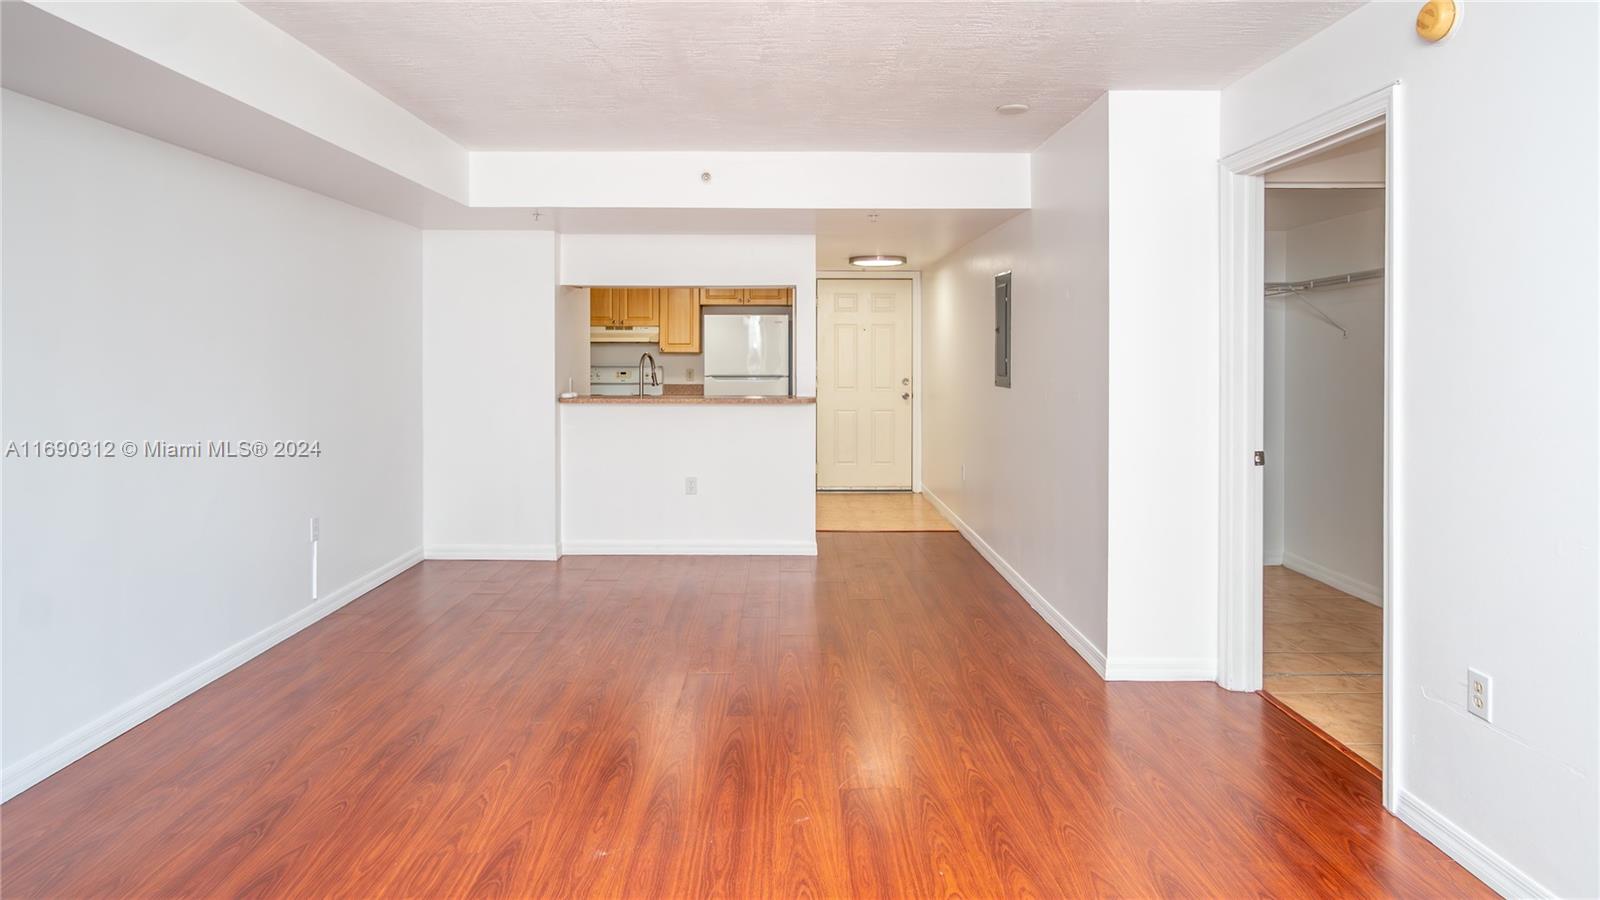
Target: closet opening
1323	435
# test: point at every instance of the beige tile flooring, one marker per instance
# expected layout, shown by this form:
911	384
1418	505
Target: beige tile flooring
1324	658
874	511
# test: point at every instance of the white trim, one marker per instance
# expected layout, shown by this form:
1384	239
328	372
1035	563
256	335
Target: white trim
1322	185
1360	116
37	766
1240	506
1076	639
492	551
1353	586
1161	669
916	351
689	548
1476	857
1240	513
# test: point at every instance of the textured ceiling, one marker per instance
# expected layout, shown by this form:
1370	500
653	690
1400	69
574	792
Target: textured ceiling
782	76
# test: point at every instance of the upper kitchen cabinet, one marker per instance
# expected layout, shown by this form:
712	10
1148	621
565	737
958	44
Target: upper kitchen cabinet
680	320
781	296
600	312
722	296
624	306
762	296
639	306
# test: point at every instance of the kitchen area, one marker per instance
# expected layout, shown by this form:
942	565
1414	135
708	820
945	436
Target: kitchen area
689	343
688	434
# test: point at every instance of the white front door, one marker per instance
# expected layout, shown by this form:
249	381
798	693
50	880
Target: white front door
864	385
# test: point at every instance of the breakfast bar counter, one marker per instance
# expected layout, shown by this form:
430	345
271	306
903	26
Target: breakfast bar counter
688	400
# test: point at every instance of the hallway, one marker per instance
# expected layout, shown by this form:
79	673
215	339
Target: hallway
877	511
887	719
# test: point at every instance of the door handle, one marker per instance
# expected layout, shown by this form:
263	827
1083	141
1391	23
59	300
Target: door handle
905	396
905	381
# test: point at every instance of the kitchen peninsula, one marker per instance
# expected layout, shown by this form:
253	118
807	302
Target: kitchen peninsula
687	399
688	437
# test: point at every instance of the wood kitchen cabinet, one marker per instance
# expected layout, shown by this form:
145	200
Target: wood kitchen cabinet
722	296
624	306
600	307
680	320
781	296
761	296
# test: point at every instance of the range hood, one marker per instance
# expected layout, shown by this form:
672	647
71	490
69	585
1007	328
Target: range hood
624	334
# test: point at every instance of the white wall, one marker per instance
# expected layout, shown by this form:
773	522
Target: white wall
154	294
623	470
1331	414
1102	455
676	368
1273	333
1497	393
572	339
769	180
1034	455
489	369
708	259
1163	414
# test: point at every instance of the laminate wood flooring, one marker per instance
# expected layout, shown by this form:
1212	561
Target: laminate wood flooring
888	719
877	511
1324	658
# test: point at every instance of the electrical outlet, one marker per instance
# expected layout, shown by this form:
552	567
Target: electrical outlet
316	529
1479	701
691	486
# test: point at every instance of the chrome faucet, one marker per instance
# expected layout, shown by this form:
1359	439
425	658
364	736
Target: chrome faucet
654	381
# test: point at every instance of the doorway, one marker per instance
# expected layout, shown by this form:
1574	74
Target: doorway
868	407
1323	414
1324	618
864	385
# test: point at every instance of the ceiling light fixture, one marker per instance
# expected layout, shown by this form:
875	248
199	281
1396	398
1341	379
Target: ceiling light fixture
1011	109
877	261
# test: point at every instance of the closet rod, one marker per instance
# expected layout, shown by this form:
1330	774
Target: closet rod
1318	283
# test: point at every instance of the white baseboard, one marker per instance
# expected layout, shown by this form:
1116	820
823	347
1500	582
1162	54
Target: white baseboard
690	548
1076	639
1161	669
1490	867
1352	586
491	551
37	766
1272	558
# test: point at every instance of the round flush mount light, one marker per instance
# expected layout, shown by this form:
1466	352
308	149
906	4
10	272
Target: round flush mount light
877	261
1435	20
1011	109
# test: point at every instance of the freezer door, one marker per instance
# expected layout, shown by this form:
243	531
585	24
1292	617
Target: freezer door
768	386
746	345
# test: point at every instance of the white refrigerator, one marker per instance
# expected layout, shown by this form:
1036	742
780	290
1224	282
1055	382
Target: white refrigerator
746	355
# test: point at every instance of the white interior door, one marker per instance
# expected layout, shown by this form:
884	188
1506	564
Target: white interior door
864	385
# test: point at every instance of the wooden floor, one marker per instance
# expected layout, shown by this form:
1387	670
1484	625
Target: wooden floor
1324	658
888	719
877	511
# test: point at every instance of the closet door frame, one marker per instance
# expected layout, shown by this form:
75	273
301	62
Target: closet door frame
1242	188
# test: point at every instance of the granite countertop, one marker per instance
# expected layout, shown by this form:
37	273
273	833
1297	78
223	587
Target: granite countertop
687	395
